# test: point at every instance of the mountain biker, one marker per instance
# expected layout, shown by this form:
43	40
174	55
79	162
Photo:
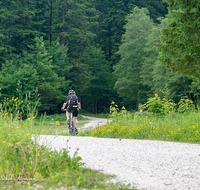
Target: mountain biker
72	94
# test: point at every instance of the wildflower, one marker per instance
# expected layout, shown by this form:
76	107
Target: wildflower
11	146
22	101
22	181
46	147
5	173
4	141
63	172
77	149
30	168
69	147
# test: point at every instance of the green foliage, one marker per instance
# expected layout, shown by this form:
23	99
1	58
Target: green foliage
185	105
179	48
132	52
157	106
166	106
33	73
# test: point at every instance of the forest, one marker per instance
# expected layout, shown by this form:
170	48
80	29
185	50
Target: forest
106	50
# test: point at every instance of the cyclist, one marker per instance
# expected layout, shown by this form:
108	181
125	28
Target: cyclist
72	95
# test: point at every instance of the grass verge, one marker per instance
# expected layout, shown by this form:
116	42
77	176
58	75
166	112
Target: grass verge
179	127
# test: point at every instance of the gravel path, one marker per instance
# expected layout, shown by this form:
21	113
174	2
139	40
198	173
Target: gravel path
148	165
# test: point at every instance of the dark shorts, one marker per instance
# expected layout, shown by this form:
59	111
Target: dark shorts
75	112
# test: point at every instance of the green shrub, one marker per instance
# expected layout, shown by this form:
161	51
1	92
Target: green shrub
185	105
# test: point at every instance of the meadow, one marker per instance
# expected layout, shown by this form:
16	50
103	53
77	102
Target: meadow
158	119
24	164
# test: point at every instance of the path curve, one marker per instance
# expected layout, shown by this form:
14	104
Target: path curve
94	122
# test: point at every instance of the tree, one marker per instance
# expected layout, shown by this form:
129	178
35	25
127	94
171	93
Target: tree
179	48
97	91
132	51
18	79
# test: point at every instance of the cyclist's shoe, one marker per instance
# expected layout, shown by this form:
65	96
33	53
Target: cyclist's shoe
67	121
76	131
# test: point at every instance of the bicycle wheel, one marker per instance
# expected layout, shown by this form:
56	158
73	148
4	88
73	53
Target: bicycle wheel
70	127
73	127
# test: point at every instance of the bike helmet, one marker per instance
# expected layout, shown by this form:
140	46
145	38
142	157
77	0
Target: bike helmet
72	92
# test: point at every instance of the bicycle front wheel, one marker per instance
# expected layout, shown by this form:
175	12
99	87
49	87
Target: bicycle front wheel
72	128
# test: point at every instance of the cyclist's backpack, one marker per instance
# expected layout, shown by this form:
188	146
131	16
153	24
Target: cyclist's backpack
73	101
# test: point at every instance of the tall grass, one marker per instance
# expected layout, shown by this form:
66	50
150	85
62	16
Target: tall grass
174	126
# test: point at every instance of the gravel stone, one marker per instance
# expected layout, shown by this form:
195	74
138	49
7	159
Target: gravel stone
146	164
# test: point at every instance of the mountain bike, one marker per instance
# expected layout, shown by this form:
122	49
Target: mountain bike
72	126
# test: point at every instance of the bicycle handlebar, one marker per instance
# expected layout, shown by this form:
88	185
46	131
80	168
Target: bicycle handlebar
66	109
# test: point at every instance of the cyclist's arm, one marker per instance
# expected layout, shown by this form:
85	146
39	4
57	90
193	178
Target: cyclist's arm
64	105
79	105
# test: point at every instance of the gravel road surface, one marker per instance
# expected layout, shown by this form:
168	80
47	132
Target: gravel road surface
148	165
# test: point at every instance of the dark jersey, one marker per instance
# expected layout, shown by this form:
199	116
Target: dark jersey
67	101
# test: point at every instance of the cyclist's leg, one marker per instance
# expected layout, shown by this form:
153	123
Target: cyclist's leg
76	121
67	114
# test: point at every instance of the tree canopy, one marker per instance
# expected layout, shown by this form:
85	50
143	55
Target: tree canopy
179	47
